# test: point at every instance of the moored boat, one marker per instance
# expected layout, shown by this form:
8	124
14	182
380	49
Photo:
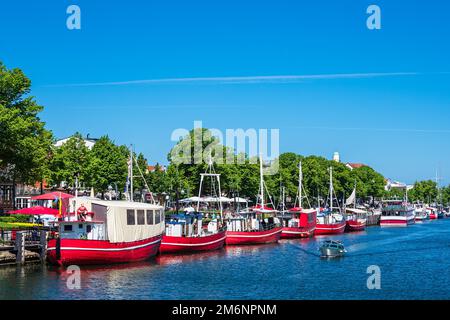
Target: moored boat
330	222
299	222
356	219
258	226
121	231
420	213
186	233
397	213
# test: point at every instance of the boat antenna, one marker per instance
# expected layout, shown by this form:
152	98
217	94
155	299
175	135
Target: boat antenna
131	174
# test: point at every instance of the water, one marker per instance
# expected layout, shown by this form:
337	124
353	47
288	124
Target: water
414	264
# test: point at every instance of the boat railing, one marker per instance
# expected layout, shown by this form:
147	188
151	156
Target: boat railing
266	227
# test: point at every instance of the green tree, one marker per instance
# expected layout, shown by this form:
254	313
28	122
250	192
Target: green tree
108	165
69	160
425	191
369	182
25	144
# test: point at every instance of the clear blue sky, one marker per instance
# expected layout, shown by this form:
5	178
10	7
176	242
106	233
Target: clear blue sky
399	124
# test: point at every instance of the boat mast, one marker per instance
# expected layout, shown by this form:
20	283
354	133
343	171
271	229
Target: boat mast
331	188
261	181
131	174
300	184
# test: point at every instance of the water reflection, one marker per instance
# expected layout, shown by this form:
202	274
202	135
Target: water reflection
291	269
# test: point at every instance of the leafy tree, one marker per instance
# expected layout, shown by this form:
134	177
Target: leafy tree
24	142
108	165
369	182
425	191
69	160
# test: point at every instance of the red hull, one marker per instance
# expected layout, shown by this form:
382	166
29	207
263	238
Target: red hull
260	237
354	226
192	244
295	233
332	228
84	252
433	216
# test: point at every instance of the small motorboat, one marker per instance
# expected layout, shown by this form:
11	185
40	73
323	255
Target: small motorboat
332	249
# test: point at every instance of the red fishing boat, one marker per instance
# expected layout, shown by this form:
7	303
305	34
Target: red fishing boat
258	226
432	213
120	231
185	233
299	223
355	220
271	235
330	222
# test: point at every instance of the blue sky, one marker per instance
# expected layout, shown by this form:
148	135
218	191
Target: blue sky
398	123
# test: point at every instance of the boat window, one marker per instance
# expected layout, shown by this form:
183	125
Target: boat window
140	217
80	226
88	228
158	217
67	227
149	216
131	220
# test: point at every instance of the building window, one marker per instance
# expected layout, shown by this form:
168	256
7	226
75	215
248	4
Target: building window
140	217
67	228
131	219
150	217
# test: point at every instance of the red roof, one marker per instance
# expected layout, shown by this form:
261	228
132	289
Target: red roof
356	165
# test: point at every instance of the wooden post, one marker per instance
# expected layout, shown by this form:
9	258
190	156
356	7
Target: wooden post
20	247
43	245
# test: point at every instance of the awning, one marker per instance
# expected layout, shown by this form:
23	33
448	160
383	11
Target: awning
53	196
36	211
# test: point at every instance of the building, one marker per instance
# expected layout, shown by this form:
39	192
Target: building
352	166
153	168
336	157
88	141
391	184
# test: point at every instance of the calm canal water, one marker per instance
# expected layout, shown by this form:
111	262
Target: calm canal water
414	264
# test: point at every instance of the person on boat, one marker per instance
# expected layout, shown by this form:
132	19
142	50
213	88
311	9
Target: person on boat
82	212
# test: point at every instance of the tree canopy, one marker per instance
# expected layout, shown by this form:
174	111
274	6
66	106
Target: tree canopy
244	178
24	142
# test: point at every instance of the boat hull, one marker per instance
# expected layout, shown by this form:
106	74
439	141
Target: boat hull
331	228
396	221
192	244
331	253
354	226
420	219
95	252
295	233
250	237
